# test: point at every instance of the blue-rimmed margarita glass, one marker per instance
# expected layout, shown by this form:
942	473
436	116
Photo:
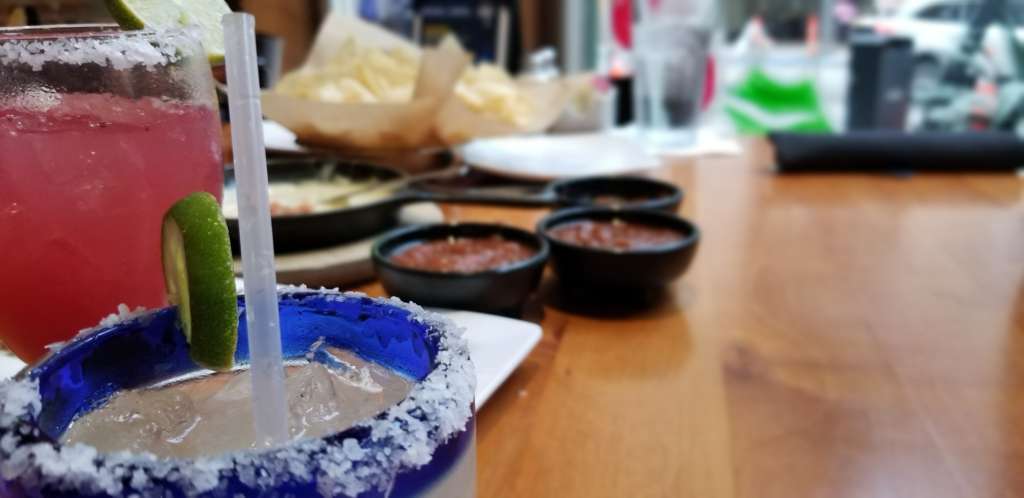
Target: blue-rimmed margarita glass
423	446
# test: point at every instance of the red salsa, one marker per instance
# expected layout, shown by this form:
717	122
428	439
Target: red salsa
463	255
614	235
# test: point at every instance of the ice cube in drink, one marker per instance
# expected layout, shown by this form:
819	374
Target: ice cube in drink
211	413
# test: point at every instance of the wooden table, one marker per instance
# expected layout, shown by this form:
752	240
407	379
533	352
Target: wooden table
837	336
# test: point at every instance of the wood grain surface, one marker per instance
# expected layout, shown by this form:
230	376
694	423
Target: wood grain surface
837	336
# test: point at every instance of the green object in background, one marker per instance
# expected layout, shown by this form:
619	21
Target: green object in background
760	104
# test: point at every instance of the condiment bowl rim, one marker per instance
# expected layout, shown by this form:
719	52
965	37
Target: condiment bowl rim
691	233
673	194
538	259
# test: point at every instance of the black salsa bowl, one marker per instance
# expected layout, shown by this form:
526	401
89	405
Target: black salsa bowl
615	269
502	290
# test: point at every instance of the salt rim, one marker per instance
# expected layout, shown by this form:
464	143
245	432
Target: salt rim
402	438
117	49
123	314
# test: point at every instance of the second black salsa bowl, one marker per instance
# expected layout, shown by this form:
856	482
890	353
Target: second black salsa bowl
620	269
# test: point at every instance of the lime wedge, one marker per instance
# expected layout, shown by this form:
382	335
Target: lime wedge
197	271
163	14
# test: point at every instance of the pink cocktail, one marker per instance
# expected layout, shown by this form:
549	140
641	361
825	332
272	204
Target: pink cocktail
100	132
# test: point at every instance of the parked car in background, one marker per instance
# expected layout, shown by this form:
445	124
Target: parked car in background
937	28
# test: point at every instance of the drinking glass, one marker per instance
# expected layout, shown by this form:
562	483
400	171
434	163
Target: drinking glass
101	131
424	446
670	50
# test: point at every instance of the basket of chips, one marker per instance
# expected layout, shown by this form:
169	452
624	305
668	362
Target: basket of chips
365	88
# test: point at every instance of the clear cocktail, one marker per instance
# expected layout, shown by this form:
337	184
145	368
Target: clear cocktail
382	405
100	132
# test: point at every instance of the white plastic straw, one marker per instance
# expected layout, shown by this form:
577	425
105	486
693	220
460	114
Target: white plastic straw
268	397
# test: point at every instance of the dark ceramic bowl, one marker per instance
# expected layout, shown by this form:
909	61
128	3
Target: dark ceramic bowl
633	192
297	232
502	290
606	269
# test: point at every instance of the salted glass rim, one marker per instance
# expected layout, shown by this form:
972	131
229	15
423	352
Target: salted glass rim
14	34
103	44
402	437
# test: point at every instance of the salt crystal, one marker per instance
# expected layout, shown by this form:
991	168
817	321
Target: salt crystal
352	449
53	346
124	314
8	443
139	479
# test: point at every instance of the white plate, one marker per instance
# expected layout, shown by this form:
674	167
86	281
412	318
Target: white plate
549	157
497	346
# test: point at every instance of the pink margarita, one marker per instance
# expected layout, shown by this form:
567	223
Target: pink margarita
97	139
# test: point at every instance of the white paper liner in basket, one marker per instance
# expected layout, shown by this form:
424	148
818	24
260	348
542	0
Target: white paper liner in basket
434	117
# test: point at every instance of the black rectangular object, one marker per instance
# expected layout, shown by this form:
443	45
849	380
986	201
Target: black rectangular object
898	151
881	69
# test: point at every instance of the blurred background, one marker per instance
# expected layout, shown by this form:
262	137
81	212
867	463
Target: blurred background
772	65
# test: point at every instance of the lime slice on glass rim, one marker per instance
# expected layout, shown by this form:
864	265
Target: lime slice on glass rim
199	278
163	14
